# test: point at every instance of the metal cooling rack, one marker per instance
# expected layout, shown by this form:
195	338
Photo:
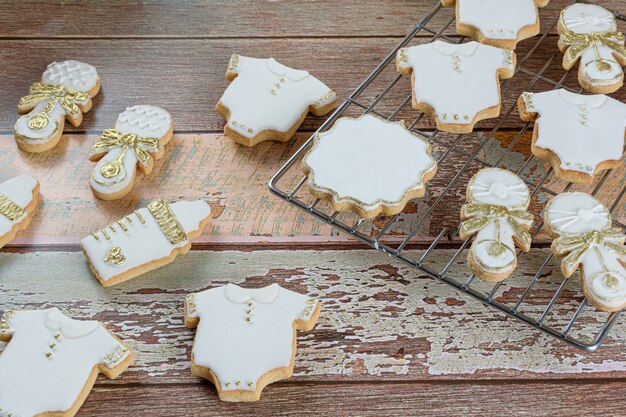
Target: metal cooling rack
546	301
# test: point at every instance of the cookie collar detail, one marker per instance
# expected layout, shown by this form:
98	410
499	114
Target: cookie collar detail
238	295
594	101
465	49
281	70
70	328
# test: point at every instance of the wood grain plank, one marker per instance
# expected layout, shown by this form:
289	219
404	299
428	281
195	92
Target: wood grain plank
227	18
186	76
234	180
380	320
340	399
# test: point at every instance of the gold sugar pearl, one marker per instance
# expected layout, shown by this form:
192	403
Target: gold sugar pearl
227	384
238	383
250	383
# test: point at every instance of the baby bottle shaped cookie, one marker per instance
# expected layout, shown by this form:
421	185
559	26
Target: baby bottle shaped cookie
589	35
586	239
139	137
65	92
496	214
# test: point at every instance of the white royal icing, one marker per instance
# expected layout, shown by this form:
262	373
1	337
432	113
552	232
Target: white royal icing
457	81
495	186
571	214
369	162
245	333
20	191
267	95
582	130
586	19
71	74
142	242
144	121
497	19
49	359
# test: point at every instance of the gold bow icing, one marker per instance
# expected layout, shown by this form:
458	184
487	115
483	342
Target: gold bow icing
54	93
579	42
483	214
577	245
142	147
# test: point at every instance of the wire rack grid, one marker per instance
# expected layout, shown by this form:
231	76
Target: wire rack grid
546	301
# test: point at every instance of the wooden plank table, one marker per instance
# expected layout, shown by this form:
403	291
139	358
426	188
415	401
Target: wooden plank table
390	341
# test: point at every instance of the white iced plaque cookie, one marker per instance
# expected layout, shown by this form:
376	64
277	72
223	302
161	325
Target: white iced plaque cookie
579	135
246	338
589	36
457	85
65	92
267	100
144	240
495	212
19	197
369	165
139	137
585	239
497	22
51	362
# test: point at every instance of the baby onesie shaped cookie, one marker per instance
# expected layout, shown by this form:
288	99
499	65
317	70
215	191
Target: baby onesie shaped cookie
496	22
369	165
144	240
267	100
139	137
580	135
65	92
52	361
246	338
457	85
19	197
585	239
495	212
589	35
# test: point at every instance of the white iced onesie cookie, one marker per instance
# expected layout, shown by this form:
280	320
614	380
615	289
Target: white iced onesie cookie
245	338
139	136
18	198
144	240
497	20
369	165
583	131
65	91
51	359
496	213
458	85
586	239
589	34
267	97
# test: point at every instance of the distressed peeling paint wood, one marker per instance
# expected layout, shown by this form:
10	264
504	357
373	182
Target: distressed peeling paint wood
379	321
234	180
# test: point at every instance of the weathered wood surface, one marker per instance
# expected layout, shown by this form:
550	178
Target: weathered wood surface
380	320
238	18
234	180
467	398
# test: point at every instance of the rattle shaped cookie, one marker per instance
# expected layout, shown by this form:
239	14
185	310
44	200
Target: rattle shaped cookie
19	197
246	338
267	100
496	22
65	92
589	35
52	361
585	239
369	165
139	137
496	214
457	85
580	135
144	240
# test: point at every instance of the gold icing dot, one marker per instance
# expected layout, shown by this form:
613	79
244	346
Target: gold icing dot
227	384
238	383
456	117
